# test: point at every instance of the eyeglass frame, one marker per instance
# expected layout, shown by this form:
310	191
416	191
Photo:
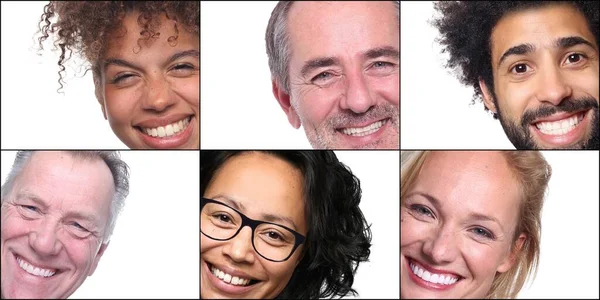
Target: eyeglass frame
253	224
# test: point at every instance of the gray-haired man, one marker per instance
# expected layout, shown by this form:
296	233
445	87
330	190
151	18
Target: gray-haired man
58	212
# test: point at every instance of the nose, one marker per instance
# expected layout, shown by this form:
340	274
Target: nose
239	248
44	239
552	86
441	246
159	96
358	97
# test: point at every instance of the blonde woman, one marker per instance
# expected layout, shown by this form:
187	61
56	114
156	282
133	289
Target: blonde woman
470	222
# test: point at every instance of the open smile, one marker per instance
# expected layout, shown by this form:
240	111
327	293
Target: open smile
172	135
561	130
429	278
226	282
34	269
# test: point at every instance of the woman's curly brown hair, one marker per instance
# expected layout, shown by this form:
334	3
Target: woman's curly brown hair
85	26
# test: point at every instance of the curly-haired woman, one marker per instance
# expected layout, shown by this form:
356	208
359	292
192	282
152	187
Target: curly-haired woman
279	224
144	56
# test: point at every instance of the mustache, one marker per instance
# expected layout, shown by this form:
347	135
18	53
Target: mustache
349	118
567	105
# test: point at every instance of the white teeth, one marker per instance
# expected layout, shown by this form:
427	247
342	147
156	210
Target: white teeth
168	130
559	127
446	279
362	131
234	280
34	270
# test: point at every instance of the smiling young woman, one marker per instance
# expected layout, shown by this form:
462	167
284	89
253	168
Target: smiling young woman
470	222
279	224
145	60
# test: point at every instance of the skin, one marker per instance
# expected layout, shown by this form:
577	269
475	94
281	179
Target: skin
445	236
546	78
262	184
355	92
48	236
159	90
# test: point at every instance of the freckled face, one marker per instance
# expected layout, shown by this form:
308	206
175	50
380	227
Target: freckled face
540	88
348	97
153	101
445	235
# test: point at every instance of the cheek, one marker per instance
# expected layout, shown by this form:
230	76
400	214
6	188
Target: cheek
121	104
515	98
482	260
81	252
586	85
316	104
387	88
189	90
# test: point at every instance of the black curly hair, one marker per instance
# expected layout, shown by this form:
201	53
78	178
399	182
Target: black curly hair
338	237
465	30
85	26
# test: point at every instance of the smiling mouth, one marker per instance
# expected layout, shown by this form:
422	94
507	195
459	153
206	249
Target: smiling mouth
435	278
229	279
560	127
35	271
167	131
363	131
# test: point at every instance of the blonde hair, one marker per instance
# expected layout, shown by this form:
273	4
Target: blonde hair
532	172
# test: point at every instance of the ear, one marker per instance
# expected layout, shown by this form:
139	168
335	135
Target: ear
97	258
284	101
488	100
511	259
99	93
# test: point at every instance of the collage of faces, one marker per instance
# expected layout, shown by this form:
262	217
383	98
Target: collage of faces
261	150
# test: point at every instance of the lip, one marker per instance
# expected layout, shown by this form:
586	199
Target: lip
558	116
156	122
562	140
225	287
358	141
173	141
426	284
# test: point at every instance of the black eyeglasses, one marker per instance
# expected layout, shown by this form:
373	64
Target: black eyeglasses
273	242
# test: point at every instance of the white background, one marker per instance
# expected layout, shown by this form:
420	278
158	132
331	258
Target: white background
569	250
436	110
238	109
34	115
155	249
379	175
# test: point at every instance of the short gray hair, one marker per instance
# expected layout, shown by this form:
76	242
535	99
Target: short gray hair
118	168
278	43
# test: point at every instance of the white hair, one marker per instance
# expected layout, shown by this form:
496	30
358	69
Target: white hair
118	169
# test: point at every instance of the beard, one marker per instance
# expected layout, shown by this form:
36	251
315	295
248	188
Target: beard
520	134
324	135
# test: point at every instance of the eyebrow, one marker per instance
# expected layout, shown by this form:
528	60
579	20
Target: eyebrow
267	217
128	64
38	200
560	43
472	215
387	51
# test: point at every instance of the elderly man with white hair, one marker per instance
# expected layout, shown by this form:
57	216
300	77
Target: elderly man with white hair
58	212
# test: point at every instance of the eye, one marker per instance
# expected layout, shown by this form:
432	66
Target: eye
79	227
30	208
223	218
322	77
421	210
483	233
121	78
274	235
575	58
183	67
519	69
382	64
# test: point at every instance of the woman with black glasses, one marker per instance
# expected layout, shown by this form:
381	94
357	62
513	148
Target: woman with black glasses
279	224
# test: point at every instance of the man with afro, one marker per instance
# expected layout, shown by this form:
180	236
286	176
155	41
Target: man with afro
534	64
